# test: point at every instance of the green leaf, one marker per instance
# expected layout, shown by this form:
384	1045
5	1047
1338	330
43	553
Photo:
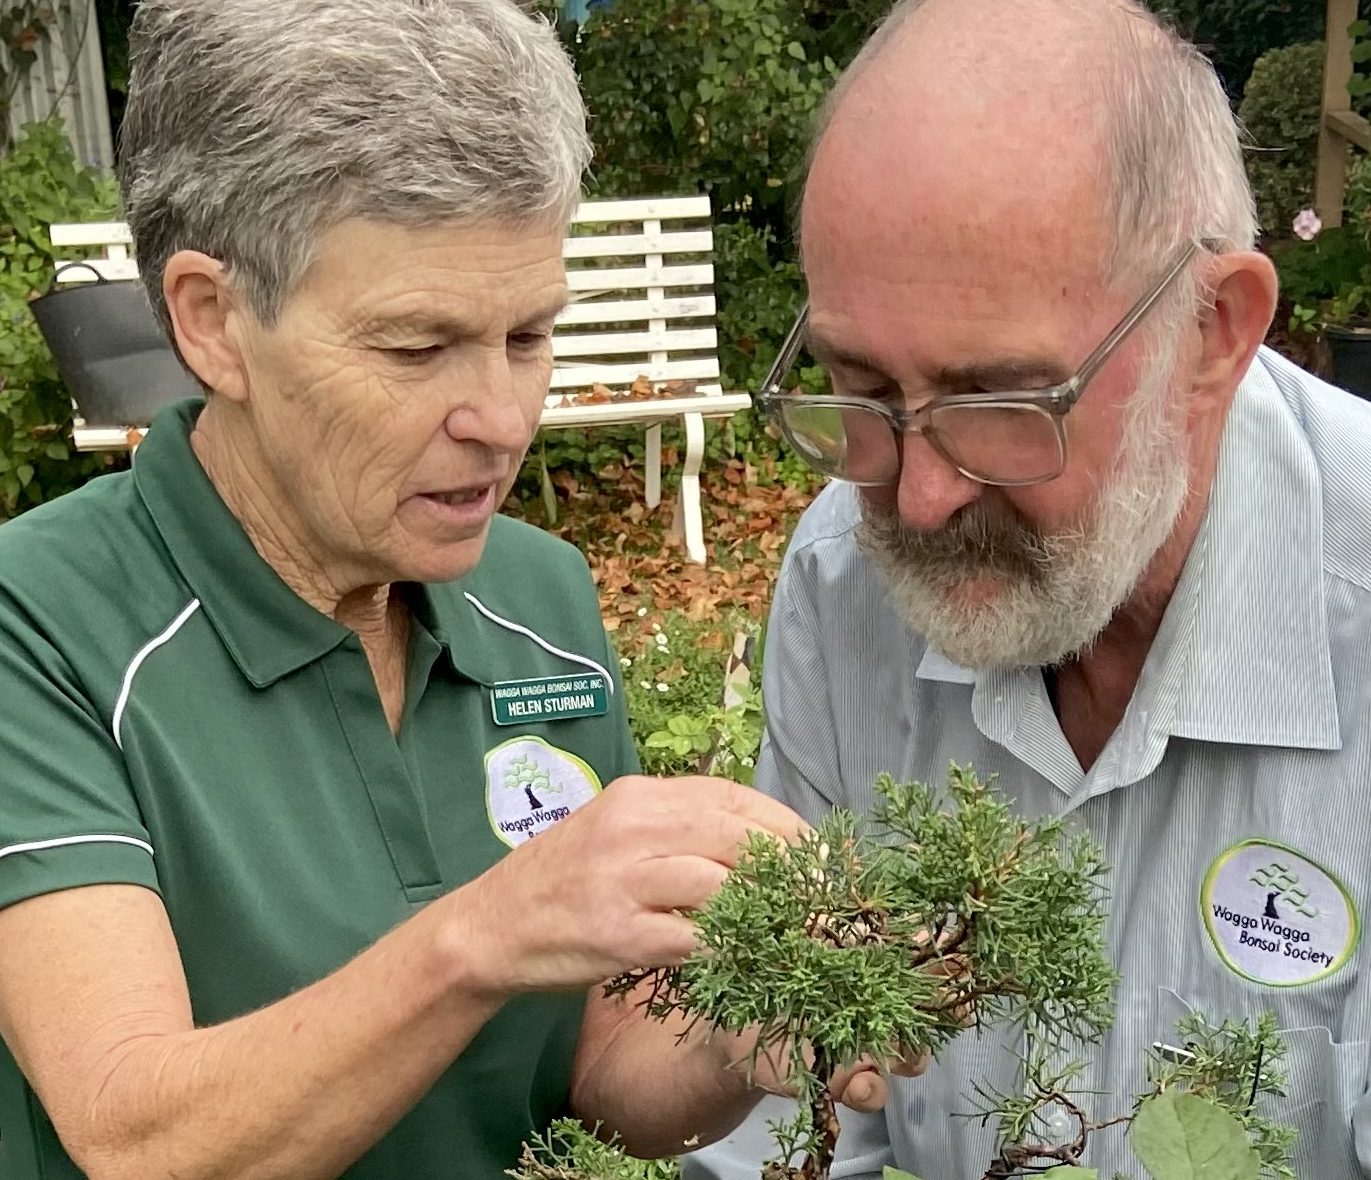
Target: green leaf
895	1174
25	474
1179	1136
1067	1172
796	50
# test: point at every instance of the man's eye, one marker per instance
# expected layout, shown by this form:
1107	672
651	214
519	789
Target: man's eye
529	341
414	356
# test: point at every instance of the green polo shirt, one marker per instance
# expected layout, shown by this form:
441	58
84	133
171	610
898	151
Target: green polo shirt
173	716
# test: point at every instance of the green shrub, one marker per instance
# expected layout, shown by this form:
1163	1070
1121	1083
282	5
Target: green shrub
1280	109
760	289
1235	33
674	688
40	183
1357	199
712	95
719	96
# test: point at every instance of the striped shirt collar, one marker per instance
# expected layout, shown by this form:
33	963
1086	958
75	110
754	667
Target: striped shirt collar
1243	654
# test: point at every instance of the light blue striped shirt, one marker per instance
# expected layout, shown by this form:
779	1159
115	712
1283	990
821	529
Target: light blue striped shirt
1233	801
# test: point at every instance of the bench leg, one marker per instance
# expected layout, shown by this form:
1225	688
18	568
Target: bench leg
653	493
690	488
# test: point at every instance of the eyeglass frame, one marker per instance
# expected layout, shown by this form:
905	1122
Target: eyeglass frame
1056	400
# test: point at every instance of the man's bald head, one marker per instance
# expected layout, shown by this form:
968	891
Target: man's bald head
1085	110
995	185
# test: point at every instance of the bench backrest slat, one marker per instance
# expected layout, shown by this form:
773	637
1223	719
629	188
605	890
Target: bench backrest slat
641	287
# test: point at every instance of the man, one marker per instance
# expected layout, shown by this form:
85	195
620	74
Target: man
319	817
1137	589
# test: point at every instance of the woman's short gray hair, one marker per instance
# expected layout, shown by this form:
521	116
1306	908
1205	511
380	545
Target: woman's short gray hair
255	125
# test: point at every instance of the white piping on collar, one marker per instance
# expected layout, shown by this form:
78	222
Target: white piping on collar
137	662
520	629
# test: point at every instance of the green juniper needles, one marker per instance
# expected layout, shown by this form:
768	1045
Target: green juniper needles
952	913
847	945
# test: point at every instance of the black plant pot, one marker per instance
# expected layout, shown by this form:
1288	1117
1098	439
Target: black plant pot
111	354
1349	350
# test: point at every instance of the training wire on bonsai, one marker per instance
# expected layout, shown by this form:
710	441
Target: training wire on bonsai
953	914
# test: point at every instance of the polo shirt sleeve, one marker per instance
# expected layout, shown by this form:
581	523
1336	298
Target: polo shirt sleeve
68	816
798	759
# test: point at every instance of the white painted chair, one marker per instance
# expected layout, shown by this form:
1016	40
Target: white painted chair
641	316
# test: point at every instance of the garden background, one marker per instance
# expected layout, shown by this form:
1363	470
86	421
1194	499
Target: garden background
712	96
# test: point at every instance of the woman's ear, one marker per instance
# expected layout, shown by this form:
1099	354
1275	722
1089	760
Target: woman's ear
204	311
1233	328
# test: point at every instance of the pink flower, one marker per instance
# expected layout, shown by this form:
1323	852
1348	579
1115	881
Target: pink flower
1307	225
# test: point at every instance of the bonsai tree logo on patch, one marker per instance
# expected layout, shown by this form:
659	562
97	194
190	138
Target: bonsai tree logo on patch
525	774
1284	886
1276	917
531	784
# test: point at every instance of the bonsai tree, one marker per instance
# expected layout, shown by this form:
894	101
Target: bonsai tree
950	913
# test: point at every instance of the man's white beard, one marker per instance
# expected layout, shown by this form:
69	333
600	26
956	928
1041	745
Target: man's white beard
1054	592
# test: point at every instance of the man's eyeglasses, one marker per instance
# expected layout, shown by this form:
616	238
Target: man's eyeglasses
1008	439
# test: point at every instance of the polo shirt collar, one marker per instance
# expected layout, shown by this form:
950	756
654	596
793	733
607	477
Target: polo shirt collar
445	611
1243	652
268	629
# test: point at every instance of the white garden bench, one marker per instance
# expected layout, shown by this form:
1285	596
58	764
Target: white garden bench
641	317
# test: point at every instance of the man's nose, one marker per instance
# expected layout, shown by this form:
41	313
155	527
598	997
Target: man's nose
931	488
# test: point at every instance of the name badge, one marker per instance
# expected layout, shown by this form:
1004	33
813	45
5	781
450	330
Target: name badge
553	698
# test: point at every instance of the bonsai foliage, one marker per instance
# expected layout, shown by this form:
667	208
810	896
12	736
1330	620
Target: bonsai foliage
952	913
842	946
571	1152
1197	1120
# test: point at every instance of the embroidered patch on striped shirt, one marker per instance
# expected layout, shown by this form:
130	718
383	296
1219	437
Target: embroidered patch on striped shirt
1275	916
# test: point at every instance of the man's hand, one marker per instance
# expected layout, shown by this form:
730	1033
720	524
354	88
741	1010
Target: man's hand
604	889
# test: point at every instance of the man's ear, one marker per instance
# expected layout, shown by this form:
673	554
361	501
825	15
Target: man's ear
1244	301
206	316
